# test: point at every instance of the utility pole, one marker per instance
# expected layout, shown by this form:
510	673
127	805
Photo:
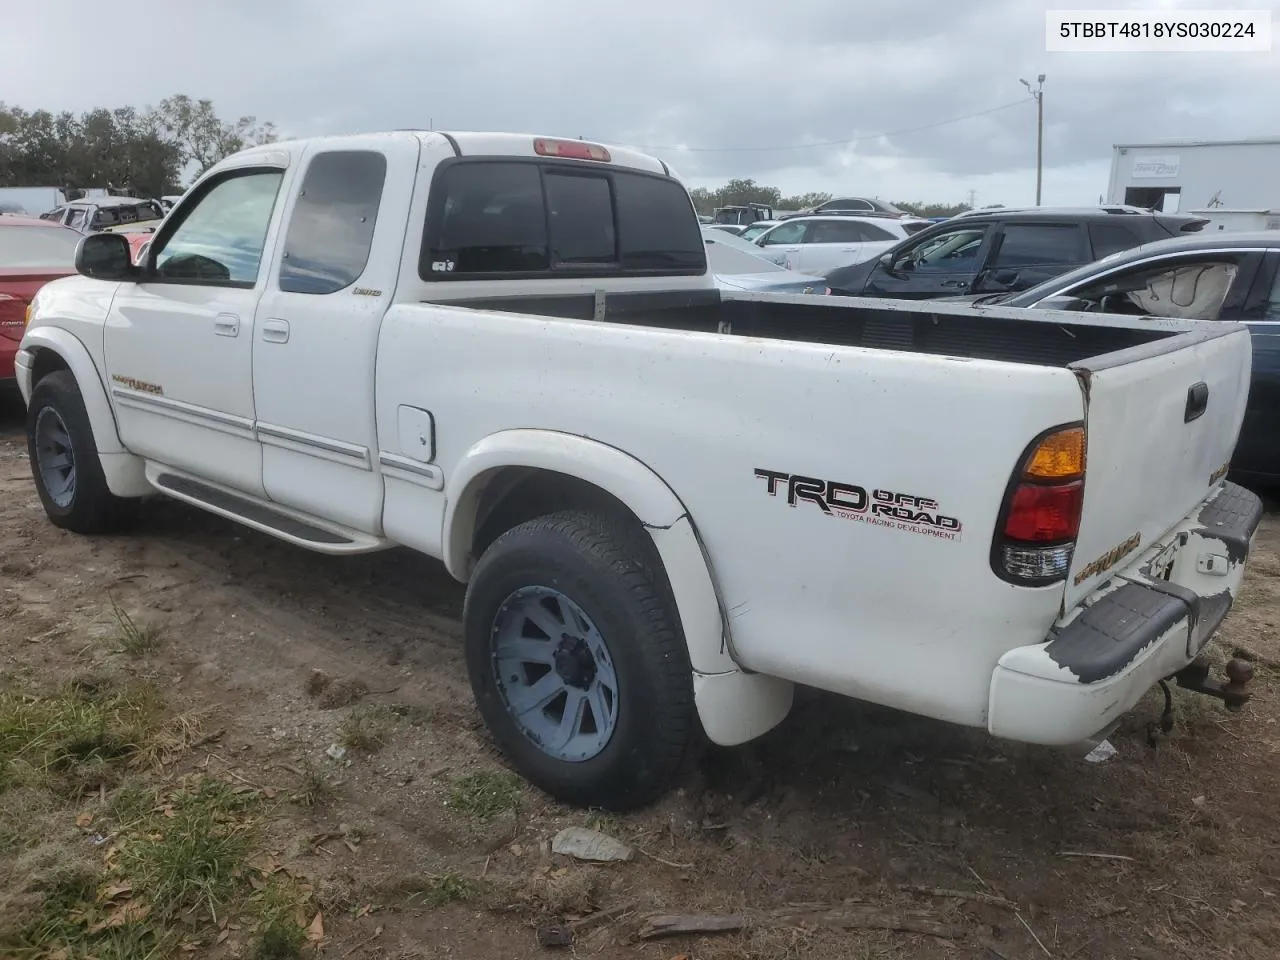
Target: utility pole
1037	92
973	199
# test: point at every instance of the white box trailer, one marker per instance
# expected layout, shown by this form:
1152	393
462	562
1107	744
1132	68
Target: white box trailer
1232	182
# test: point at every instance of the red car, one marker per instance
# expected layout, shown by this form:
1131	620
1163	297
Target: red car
32	252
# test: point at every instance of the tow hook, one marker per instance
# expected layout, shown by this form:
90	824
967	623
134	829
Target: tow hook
1232	692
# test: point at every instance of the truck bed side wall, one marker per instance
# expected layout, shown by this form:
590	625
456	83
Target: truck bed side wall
812	596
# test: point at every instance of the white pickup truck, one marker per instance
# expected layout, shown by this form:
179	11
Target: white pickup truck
669	505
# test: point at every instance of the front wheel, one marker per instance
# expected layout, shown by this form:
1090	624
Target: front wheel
577	659
64	460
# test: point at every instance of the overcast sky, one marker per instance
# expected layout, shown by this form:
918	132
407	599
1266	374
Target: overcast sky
684	78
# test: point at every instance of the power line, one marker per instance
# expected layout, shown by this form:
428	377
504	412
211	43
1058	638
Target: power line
833	143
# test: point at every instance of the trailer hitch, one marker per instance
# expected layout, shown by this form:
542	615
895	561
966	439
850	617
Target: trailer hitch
1232	692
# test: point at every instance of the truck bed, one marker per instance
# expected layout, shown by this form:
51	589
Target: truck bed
1013	335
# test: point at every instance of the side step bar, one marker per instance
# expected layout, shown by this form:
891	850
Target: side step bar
269	518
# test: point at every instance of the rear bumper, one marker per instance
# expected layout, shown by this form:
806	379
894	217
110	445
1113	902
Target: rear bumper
1143	625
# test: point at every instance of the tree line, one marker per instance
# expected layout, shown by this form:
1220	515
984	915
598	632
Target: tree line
146	153
740	192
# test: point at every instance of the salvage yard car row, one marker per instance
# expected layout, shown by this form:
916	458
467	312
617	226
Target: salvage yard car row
545	386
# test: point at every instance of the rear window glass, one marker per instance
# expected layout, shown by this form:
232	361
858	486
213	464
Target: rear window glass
580	210
657	226
37	247
513	217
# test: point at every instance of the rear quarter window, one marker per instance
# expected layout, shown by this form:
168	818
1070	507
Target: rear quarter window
518	218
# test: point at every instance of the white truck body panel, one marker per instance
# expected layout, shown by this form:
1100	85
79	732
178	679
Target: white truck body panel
377	413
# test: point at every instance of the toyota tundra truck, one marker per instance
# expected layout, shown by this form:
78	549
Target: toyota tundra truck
669	504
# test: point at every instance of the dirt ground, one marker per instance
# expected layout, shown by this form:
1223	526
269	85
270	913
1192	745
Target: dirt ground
1163	851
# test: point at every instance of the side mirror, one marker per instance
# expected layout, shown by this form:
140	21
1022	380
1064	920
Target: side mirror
105	256
886	261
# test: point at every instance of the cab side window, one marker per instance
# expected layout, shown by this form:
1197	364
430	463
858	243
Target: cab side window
331	227
220	239
1028	245
954	251
787	233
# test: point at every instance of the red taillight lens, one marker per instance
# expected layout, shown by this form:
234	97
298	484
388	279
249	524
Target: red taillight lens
1034	542
1045	514
572	149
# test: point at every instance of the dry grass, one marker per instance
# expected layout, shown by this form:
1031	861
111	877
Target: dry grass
485	795
367	730
100	860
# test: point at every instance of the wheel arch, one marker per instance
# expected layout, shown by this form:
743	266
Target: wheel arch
515	475
48	349
45	350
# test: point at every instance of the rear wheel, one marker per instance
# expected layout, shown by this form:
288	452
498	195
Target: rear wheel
577	659
64	460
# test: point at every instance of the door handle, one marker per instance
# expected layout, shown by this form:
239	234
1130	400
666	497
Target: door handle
1197	401
226	325
276	331
954	283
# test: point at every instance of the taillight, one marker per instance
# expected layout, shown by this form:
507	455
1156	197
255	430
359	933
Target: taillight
1040	517
572	149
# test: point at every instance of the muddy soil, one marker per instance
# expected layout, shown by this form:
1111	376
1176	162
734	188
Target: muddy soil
1166	850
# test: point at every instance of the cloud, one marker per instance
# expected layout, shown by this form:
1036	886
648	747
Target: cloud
744	85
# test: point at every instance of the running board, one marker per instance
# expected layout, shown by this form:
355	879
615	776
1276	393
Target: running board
269	518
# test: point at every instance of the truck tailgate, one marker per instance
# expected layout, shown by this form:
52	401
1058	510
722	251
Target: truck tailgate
1152	452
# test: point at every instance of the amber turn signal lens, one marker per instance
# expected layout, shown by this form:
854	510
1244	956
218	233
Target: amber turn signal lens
1059	456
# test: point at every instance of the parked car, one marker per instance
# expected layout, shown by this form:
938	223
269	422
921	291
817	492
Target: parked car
734	229
742	214
1208	276
817	245
740	265
102	213
32	252
1002	251
856	205
670	503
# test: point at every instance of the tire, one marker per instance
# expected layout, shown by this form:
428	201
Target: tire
617	597
64	460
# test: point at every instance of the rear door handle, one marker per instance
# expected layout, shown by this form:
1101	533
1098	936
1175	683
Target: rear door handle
276	331
1197	401
954	283
226	325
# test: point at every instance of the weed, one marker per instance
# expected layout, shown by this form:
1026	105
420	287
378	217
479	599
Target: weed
603	822
69	741
190	852
367	730
483	796
135	639
280	934
450	887
314	788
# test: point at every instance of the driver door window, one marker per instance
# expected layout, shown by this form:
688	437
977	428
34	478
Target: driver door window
1185	290
220	241
953	252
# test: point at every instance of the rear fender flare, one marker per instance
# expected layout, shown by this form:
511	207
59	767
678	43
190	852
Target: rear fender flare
637	487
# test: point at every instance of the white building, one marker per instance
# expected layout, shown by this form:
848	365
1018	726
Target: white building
1234	183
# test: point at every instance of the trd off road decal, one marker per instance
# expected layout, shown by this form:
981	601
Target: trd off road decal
880	508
